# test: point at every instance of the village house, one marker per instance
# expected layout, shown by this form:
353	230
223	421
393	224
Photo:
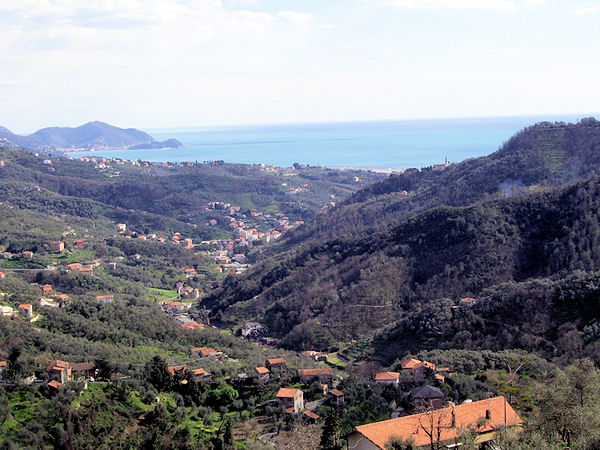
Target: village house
427	397
27	254
173	369
79	243
314	355
416	367
263	373
388	378
2	275
187	243
59	371
324	375
26	310
200	375
3	366
276	364
291	399
48	302
336	397
191	325
84	369
311	417
57	246
175	307
190	272
46	288
484	416
205	352
63	299
467	301
105	298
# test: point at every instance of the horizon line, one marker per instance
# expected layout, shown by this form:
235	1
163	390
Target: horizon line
326	122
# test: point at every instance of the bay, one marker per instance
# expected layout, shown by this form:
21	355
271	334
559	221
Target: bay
377	144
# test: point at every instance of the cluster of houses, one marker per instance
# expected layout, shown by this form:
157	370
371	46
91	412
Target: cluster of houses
292	399
417	369
57	373
179	311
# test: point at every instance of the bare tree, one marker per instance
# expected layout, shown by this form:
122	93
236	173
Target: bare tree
433	422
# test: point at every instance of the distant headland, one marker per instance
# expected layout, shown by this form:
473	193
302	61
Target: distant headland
91	136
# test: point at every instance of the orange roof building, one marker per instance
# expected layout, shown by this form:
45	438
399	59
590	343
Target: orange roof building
199	373
484	416
387	377
203	351
174	369
55	384
275	362
411	364
26	310
311	415
192	326
291	399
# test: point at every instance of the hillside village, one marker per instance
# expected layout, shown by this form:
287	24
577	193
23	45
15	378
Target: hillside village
304	391
109	337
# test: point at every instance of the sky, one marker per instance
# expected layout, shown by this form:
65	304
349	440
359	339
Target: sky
176	63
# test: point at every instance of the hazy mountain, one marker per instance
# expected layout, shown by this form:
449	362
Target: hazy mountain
91	135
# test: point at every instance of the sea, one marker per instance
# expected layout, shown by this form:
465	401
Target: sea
382	145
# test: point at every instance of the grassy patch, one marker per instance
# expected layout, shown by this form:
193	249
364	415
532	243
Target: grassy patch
160	295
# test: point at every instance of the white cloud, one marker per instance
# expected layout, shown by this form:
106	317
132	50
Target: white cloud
482	5
586	10
295	16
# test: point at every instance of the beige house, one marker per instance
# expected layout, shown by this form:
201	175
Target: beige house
291	399
59	371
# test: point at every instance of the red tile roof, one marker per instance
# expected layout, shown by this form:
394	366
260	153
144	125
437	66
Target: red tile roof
276	361
314	372
287	393
466	415
55	384
262	370
192	326
410	364
174	369
312	415
26	306
387	376
336	393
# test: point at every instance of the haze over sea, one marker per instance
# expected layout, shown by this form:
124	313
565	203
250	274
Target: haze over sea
383	144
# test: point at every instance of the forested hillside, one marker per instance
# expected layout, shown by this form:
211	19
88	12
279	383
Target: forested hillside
539	157
406	282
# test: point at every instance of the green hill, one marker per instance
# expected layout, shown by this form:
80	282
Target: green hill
324	294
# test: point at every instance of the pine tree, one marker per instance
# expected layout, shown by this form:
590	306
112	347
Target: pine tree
331	432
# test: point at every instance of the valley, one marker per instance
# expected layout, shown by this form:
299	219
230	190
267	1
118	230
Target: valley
214	305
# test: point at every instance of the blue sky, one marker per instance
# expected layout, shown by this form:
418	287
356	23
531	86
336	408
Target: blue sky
162	63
